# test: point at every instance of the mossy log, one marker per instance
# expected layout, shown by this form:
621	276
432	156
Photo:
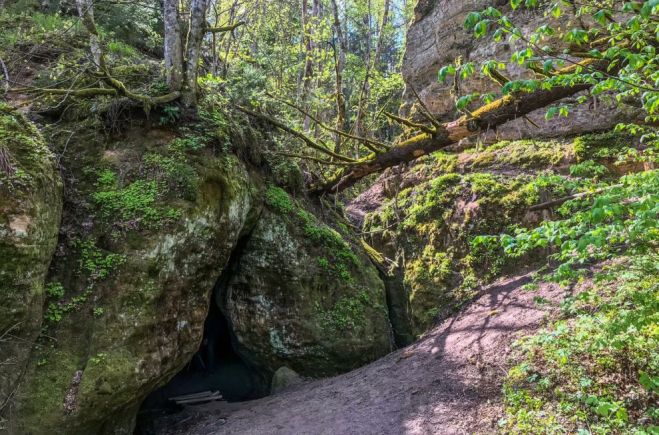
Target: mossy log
489	116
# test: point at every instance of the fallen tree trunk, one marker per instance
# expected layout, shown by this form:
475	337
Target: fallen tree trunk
444	135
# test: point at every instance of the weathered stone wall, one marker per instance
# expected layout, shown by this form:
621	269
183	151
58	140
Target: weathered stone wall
437	37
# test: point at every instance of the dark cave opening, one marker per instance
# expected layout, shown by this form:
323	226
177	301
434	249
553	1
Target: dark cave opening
216	366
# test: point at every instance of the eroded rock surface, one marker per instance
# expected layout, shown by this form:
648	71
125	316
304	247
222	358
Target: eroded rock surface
302	296
134	273
30	211
437	37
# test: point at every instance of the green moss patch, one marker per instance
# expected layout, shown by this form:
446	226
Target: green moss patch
136	201
22	151
436	223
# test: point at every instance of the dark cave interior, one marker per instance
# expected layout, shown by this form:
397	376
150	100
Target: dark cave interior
215	367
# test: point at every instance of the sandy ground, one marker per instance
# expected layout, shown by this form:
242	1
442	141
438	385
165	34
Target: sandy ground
448	382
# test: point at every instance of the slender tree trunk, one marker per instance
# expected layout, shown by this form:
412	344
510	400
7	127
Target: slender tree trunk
232	17
86	12
339	66
196	34
173	46
380	44
365	93
307	70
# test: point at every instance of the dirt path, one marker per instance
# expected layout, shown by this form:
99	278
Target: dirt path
448	382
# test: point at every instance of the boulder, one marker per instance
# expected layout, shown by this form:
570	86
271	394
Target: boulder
303	296
30	212
145	235
283	379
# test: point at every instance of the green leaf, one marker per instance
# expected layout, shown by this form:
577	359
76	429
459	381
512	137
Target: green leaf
551	113
445	71
548	65
556	11
600	16
480	29
466	70
464	101
472	19
604	409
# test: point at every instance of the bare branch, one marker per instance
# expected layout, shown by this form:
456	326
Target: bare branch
332	129
424	109
409	123
223	29
306	139
313	159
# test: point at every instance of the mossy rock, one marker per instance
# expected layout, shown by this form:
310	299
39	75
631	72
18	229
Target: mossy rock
30	212
601	145
302	295
131	289
435	223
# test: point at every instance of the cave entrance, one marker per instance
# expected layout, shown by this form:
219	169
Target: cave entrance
216	366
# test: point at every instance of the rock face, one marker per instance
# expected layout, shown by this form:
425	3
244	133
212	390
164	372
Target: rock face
150	221
30	211
437	37
428	216
134	273
302	297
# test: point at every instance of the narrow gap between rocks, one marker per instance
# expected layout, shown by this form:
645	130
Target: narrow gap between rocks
216	366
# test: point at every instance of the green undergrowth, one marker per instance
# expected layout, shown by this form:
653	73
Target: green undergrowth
59	42
620	215
596	370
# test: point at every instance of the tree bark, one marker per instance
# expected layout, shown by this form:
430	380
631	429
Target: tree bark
86	13
173	46
381	35
308	21
196	34
489	116
339	66
365	94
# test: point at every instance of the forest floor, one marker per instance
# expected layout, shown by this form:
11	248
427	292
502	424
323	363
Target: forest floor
448	382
